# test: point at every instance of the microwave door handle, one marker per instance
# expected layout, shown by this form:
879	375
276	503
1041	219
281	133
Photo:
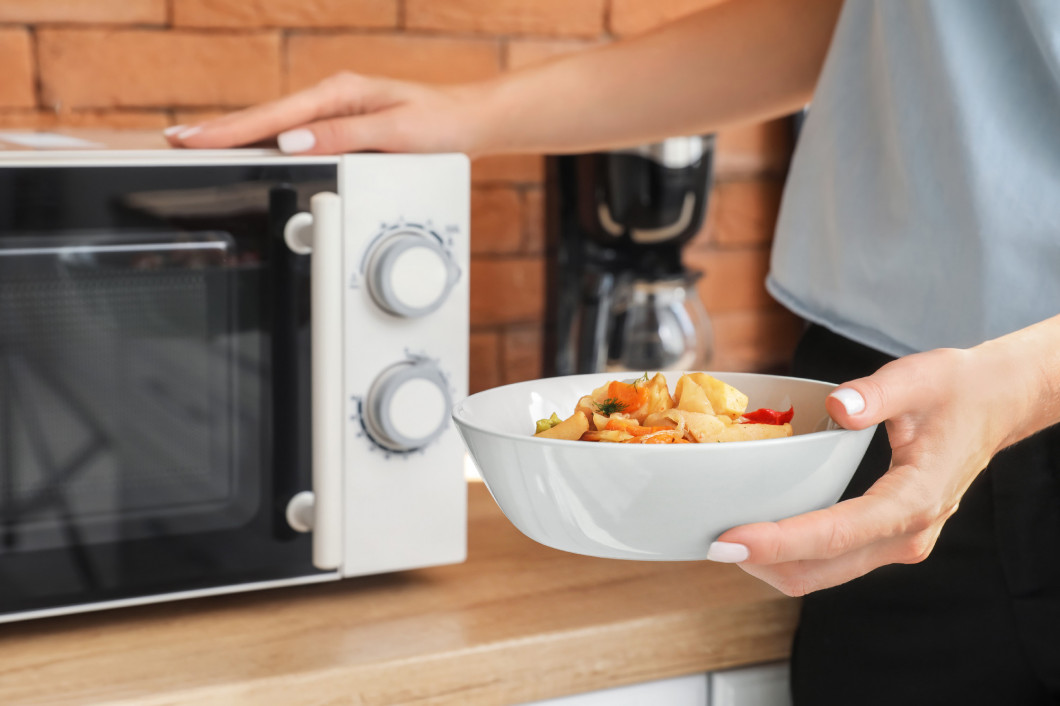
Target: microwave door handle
319	233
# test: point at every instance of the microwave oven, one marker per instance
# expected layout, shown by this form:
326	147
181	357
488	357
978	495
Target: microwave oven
225	370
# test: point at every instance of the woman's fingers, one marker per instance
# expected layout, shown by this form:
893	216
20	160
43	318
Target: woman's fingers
337	135
340	95
797	578
823	534
896	521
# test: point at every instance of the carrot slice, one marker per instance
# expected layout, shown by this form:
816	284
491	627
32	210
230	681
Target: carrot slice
629	397
630	426
664	436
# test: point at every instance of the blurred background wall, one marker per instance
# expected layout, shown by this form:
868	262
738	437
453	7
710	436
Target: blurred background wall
154	63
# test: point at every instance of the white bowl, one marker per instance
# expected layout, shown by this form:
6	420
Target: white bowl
650	502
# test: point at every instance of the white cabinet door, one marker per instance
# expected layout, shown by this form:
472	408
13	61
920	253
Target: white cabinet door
678	691
763	685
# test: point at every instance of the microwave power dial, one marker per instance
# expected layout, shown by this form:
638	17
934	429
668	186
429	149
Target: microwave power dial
407	406
410	273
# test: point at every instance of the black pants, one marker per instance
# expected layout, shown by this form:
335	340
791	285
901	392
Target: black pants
977	622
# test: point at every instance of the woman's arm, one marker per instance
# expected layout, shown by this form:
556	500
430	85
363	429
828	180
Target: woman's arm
737	61
948	412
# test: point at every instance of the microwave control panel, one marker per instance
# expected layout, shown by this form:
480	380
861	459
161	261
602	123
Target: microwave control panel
406	255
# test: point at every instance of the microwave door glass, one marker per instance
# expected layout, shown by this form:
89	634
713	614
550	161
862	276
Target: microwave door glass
122	383
154	365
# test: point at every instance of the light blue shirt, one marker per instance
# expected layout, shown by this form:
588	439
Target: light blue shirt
923	203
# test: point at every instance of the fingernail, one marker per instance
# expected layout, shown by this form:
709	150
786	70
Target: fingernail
190	132
299	140
174	129
727	552
850	398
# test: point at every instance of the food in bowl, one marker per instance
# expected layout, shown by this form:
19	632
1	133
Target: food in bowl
703	409
644	502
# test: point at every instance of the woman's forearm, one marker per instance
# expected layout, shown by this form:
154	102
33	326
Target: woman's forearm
739	61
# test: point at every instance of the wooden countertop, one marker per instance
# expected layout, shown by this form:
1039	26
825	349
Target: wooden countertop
515	623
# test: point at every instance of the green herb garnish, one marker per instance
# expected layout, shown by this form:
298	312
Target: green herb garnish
610	406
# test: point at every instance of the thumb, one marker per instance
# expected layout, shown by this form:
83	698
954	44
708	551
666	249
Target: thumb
861	403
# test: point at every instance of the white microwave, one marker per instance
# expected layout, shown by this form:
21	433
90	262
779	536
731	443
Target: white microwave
225	370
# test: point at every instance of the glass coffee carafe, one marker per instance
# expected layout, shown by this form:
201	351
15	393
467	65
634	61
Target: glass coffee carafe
659	325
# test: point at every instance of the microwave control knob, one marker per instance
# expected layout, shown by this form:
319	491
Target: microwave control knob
407	406
410	274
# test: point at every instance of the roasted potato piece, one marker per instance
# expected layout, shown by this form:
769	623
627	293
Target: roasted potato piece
570	428
659	419
754	432
702	428
691	397
724	398
612	435
586	406
657	398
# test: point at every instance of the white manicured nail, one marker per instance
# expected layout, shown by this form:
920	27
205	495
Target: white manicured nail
850	398
174	129
300	140
190	132
727	552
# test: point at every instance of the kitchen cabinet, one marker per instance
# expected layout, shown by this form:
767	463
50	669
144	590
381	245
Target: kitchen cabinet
759	685
693	690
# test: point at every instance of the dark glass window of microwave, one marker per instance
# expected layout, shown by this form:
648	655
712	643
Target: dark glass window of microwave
154	412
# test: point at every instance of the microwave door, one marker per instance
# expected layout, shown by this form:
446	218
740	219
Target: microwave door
154	404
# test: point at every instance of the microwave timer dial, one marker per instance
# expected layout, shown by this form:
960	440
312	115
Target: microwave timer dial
407	406
410	272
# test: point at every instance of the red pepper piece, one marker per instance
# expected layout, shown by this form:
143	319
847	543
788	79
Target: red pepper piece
768	416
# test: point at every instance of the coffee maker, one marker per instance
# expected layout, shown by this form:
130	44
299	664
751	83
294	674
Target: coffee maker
620	298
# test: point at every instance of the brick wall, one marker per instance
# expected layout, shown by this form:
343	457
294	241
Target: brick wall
154	63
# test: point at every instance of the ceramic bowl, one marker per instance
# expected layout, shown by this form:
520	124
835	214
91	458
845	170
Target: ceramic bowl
652	502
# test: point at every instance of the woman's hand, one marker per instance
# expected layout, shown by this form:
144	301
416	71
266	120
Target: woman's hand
947	412
349	113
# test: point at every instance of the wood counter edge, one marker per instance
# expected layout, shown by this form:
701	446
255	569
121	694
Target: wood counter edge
452	635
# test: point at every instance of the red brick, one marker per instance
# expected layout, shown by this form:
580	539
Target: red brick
143	68
485	361
193	116
496	220
16	58
138	12
754	149
522	354
526	52
507	291
637	16
313	57
746	212
734	280
512	169
755	341
285	13
534	238
117	119
582	18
